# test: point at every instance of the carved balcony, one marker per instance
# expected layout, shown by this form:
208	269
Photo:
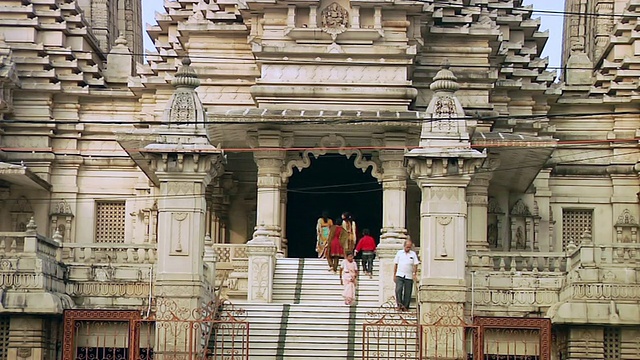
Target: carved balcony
31	276
109	262
523	282
104	274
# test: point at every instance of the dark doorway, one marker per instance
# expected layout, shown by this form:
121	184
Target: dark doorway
332	183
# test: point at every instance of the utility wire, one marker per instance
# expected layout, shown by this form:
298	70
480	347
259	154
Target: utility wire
94	153
329	119
82	197
252	61
528	8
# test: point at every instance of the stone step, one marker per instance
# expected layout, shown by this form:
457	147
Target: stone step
310	331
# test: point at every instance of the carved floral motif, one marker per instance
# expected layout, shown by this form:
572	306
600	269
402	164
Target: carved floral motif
335	20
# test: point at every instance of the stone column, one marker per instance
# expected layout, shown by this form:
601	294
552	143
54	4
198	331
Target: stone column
478	199
394	198
27	338
181	225
268	235
443	238
283	246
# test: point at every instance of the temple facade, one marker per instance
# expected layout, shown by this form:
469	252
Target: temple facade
137	193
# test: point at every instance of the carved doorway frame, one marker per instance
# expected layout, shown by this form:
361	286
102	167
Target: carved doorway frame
328	144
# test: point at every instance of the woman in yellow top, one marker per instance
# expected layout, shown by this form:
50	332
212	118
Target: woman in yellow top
322	231
349	225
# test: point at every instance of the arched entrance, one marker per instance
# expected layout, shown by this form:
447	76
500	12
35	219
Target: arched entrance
332	183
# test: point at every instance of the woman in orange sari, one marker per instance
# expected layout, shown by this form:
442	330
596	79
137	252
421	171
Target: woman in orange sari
323	227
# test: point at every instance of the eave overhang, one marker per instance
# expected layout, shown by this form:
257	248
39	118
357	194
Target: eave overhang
521	157
21	176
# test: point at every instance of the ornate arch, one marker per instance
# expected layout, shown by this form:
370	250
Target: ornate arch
331	143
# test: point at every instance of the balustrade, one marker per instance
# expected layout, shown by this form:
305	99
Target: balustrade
24	244
554	262
29	275
109	253
625	254
232	269
11	243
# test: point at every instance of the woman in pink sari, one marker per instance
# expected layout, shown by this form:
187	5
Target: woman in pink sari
349	278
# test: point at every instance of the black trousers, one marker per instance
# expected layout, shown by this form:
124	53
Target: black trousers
404	287
367	261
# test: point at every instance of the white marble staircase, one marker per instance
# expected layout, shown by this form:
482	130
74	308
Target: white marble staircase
308	317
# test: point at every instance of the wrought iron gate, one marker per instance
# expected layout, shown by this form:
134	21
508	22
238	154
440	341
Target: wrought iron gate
444	334
215	331
391	334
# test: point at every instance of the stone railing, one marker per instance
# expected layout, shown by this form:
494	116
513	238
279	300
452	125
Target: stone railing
74	253
524	282
18	269
232	269
21	244
11	243
602	272
616	255
555	262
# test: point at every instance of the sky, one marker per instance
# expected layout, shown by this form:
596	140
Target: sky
551	22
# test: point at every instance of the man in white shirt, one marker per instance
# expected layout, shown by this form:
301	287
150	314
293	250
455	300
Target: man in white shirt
405	271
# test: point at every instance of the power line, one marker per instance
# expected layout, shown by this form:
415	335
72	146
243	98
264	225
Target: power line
529	9
189	196
551	143
252	60
275	119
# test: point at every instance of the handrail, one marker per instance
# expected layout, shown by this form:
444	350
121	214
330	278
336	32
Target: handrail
214	316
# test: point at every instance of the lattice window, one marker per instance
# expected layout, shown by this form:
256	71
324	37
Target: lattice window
4	337
611	343
110	217
574	224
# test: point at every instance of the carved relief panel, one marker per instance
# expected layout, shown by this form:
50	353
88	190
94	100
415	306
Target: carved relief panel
61	218
626	228
523	227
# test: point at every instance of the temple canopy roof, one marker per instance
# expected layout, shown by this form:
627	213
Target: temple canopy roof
521	156
22	176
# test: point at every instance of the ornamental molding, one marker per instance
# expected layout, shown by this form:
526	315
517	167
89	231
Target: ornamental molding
62	208
332	143
626	219
335	20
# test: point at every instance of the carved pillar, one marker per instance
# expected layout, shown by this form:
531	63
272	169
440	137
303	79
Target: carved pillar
394	199
442	167
443	238
478	199
268	235
181	223
282	246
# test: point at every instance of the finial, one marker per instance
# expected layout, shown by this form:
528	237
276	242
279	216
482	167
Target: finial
186	76
121	40
57	236
31	226
445	80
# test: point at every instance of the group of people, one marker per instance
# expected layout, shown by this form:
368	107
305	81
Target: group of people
337	241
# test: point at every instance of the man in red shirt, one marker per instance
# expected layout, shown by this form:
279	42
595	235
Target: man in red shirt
367	245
